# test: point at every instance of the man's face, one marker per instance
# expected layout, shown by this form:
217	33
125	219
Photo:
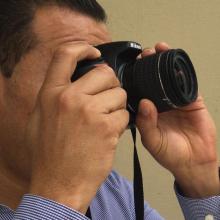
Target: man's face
53	26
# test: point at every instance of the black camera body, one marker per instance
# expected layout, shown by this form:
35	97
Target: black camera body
167	78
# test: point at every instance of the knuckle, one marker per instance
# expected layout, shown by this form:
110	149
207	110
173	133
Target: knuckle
123	123
87	110
123	94
116	81
110	74
105	69
127	118
64	51
64	101
108	69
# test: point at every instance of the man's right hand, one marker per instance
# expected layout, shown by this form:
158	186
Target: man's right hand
74	128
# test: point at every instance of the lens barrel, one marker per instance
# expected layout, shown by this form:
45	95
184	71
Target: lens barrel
168	79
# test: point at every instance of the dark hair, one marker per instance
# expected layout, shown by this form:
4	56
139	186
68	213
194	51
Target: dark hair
16	36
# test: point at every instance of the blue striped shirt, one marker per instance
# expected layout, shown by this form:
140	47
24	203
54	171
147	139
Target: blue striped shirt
114	201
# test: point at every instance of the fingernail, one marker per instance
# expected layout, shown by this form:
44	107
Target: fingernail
148	51
98	52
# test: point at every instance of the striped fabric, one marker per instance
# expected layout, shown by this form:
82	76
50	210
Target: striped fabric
202	209
114	201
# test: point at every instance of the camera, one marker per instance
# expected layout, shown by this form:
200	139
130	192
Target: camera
168	78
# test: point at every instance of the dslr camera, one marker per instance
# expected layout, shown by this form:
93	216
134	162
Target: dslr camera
168	78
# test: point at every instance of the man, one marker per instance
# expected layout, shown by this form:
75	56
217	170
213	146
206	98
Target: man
58	139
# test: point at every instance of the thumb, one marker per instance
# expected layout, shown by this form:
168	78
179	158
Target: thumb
146	122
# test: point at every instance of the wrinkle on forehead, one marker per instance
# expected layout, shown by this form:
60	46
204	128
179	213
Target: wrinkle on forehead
54	26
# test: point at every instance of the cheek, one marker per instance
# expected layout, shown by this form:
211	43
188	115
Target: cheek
22	89
21	98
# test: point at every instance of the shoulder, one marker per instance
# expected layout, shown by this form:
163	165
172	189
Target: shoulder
116	195
114	198
117	181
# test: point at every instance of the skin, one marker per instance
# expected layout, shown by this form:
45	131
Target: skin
183	141
58	139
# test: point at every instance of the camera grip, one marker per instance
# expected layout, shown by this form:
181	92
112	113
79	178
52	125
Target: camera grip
84	67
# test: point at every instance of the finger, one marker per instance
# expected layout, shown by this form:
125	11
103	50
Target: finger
146	122
64	62
120	120
111	100
162	46
198	104
148	52
97	80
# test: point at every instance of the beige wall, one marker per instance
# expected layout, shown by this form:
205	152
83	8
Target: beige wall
192	25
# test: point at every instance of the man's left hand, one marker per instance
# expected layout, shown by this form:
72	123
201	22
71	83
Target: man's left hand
183	141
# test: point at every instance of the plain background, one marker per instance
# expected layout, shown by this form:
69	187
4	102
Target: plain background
192	25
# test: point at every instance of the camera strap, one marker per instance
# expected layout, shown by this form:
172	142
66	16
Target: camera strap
88	213
138	183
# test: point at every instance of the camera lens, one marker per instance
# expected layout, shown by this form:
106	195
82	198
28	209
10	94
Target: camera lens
168	79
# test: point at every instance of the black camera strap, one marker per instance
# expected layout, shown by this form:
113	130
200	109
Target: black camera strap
88	213
138	183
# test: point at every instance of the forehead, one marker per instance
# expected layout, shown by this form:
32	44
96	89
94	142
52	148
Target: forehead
55	25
